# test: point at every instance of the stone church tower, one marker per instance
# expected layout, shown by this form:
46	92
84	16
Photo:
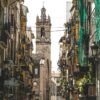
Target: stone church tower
43	32
43	50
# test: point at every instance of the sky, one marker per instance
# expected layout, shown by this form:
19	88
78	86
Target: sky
58	12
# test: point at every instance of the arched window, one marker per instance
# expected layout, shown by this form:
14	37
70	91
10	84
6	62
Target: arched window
42	31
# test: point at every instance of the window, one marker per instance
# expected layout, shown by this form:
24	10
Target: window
36	71
42	31
42	61
12	19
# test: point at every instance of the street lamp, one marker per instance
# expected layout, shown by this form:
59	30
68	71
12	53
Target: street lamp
35	83
94	49
77	65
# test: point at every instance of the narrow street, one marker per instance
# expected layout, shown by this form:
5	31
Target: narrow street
50	50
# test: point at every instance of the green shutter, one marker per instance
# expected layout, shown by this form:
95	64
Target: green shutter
97	14
81	50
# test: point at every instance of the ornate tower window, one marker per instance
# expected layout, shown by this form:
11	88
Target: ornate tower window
42	31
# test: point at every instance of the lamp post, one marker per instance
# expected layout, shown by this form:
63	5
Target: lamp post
94	60
96	63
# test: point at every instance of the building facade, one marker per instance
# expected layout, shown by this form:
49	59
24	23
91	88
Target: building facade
80	73
15	63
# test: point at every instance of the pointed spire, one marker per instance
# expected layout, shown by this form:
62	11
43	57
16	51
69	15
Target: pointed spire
49	18
43	4
37	18
43	12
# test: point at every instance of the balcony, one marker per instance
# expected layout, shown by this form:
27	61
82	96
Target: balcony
29	46
23	40
25	68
